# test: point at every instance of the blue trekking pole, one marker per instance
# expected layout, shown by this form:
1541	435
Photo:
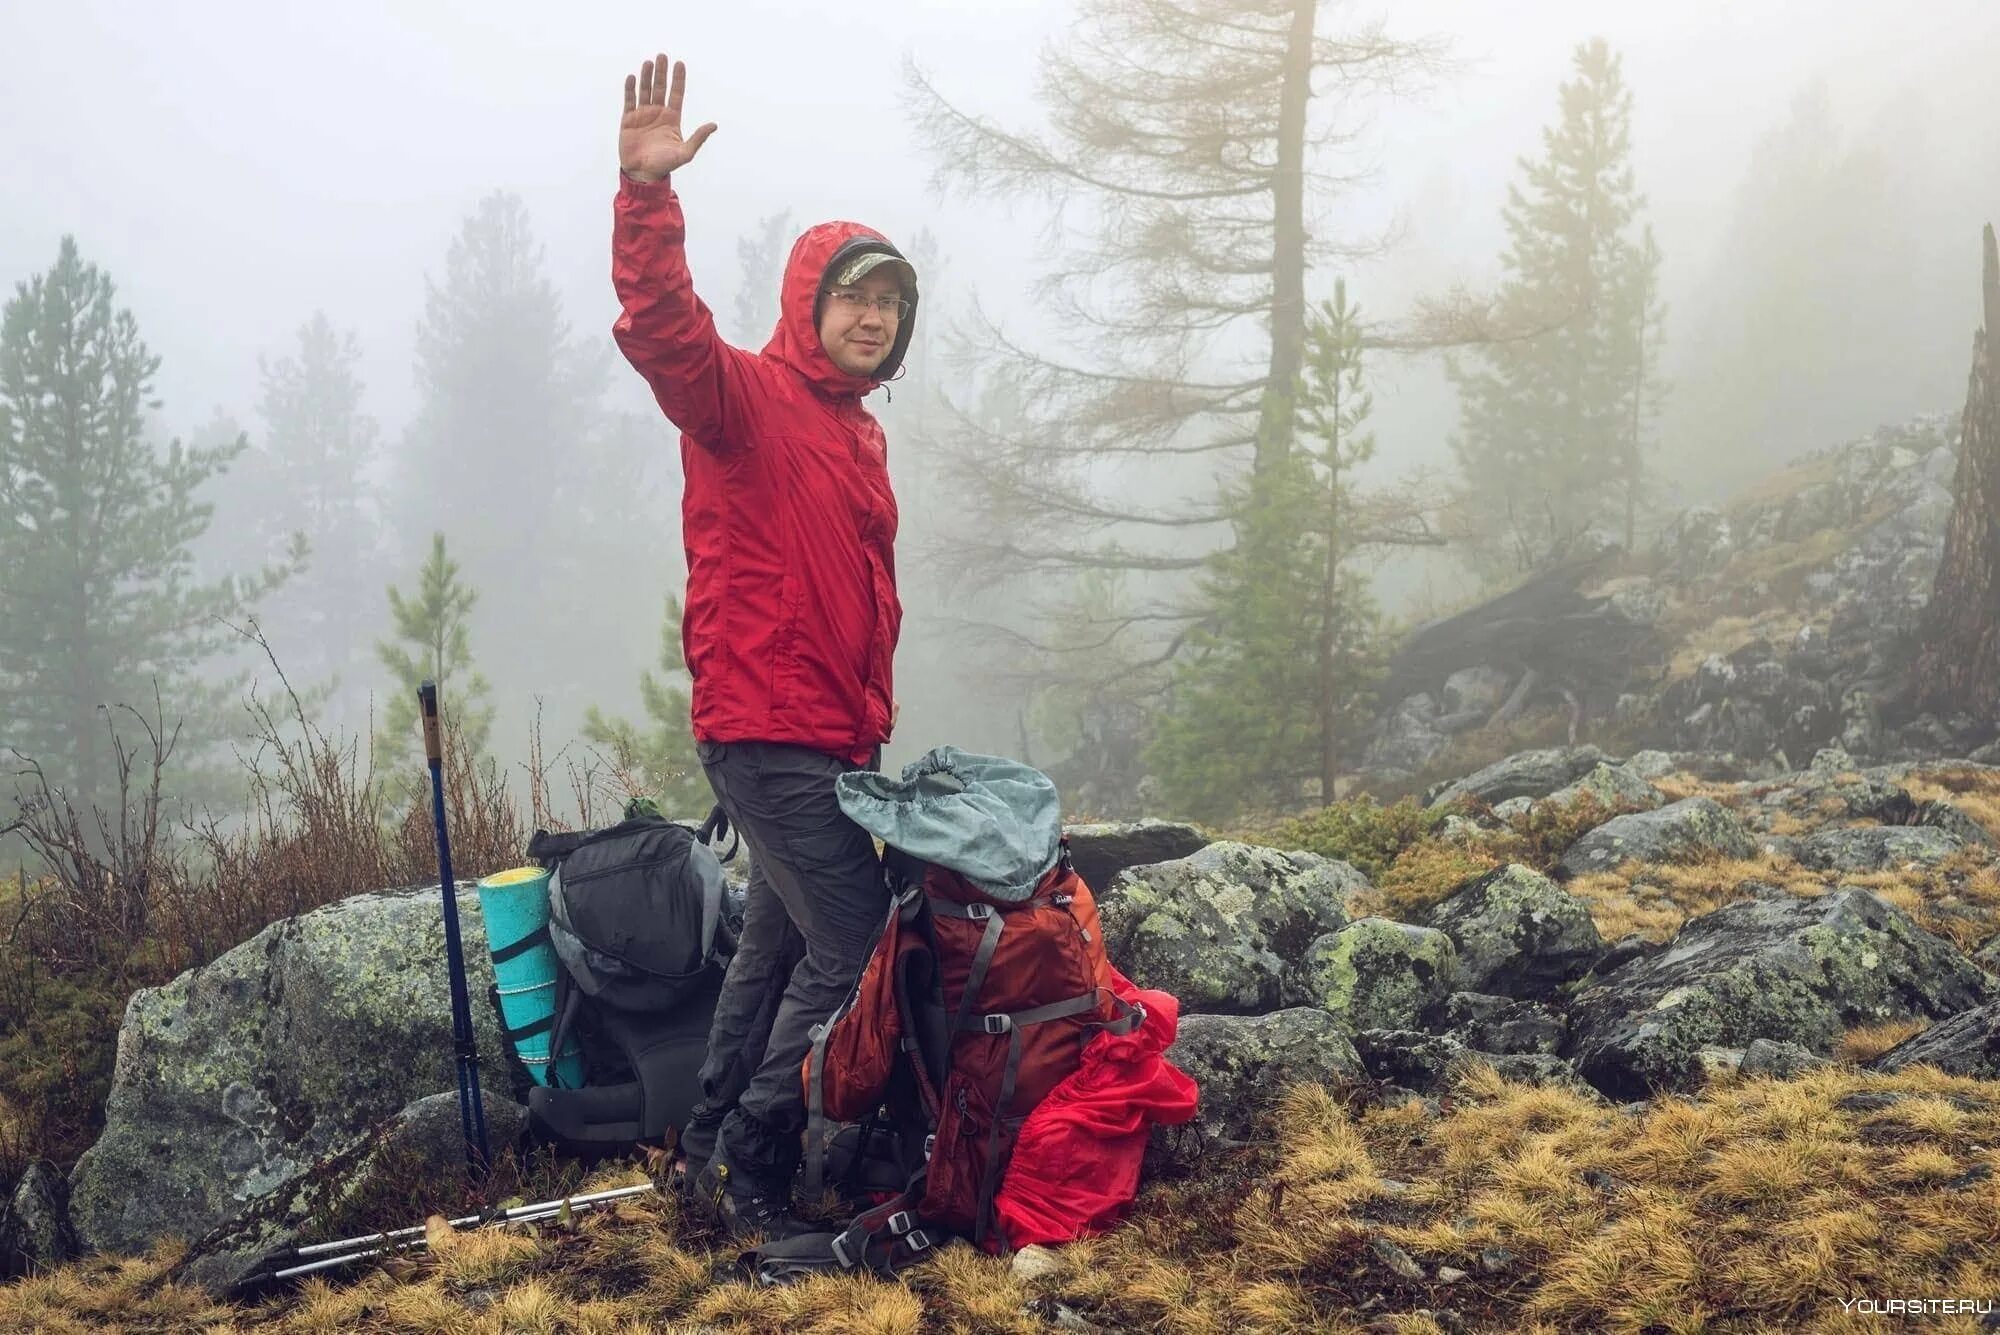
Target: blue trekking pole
471	1112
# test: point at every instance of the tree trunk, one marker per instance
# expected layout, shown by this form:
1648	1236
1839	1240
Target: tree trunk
1288	256
1958	659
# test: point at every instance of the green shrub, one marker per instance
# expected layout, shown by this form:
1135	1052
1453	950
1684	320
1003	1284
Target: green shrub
1359	831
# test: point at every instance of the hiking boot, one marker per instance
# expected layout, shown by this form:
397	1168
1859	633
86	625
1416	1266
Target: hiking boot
745	1209
697	1142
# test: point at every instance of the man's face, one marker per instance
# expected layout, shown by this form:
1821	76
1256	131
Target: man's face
854	327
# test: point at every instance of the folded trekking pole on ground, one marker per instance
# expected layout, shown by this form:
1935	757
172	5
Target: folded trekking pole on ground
294	1262
471	1111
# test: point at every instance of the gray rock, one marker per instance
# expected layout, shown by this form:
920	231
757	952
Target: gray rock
1222	928
1623	951
1876	848
1532	1068
1690	830
1964	1044
1408	738
1100	852
1797	970
1410	1058
1650	765
1242	1063
1503	1024
1461	830
1697	543
1954	821
35	1232
1780	1061
1525	774
1614	787
1476	689
423	1142
1394	1259
1712	1061
1517	933
1514	808
236	1077
1377	973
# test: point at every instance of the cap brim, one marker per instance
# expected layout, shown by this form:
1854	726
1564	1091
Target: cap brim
863	265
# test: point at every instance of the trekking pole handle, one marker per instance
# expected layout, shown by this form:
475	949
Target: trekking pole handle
427	704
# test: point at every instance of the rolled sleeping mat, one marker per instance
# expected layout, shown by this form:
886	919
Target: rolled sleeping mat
515	905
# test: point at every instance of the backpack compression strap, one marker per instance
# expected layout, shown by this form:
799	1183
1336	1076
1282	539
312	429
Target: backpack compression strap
1130	1017
982	958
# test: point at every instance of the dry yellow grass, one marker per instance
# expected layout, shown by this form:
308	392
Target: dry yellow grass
1867	1042
1975	792
1755	1205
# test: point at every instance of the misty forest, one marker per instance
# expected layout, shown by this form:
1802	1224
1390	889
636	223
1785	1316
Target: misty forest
1491	525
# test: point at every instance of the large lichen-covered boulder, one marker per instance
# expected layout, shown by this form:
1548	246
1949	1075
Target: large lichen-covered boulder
1877	847
1524	774
1222	928
1965	1044
1518	933
236	1077
424	1143
1100	851
1377	973
1690	830
1242	1063
1797	970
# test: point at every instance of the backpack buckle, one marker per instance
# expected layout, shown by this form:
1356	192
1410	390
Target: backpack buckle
917	1240
996	1024
840	1254
979	912
930	1143
816	1033
901	1222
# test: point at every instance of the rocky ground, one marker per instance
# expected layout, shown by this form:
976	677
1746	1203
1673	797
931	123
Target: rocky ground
1601	1001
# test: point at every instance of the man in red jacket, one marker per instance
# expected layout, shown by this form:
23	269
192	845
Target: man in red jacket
790	625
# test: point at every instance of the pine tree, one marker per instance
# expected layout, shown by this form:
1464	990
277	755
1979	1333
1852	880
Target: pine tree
1274	688
433	641
1194	151
540	491
319	440
760	258
1551	422
100	601
661	755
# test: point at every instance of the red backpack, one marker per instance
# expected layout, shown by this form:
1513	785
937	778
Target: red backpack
969	1011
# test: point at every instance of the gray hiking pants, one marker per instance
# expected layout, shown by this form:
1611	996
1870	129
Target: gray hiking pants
815	902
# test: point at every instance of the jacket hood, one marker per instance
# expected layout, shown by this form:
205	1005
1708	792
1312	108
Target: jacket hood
796	340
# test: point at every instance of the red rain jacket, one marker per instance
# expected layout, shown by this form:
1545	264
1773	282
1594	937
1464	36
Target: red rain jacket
789	524
1075	1166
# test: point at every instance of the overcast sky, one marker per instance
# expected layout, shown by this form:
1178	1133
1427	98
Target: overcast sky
236	166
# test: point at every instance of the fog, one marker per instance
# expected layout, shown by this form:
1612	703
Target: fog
235	168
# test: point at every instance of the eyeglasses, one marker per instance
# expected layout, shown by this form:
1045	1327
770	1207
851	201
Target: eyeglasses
892	308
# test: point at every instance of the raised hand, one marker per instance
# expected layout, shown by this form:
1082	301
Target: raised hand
650	143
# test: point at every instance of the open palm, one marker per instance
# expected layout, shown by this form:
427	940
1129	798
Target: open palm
650	143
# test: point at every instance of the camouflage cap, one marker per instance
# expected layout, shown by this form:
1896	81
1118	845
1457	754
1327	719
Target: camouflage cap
862	265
